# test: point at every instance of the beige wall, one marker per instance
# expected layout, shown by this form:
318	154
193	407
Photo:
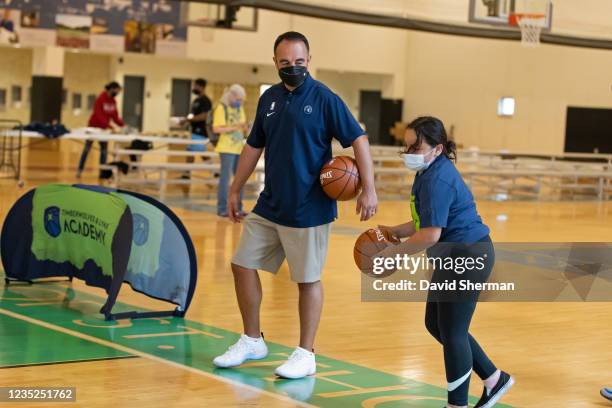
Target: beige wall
357	48
85	74
586	18
227	56
16	69
348	85
159	73
461	79
334	46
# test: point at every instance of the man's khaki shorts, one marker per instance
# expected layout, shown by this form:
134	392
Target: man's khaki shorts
265	245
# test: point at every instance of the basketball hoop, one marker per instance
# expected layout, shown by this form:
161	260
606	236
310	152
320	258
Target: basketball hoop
531	26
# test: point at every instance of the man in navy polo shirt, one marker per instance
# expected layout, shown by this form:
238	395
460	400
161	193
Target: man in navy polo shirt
295	123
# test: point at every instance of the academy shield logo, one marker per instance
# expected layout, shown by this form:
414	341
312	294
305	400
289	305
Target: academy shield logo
141	229
52	221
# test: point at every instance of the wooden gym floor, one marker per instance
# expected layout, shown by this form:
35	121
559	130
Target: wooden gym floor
370	354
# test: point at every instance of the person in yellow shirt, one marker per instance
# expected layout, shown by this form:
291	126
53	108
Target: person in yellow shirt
229	121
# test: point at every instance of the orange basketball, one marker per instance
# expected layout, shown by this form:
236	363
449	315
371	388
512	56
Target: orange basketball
340	178
370	243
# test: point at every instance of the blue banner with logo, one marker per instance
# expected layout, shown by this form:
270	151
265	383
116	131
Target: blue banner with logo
104	237
61	230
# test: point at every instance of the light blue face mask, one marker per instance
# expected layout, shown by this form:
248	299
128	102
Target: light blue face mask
417	162
236	104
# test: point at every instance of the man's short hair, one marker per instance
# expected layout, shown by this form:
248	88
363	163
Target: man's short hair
200	82
291	36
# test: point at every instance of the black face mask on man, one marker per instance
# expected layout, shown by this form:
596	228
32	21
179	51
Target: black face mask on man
196	91
294	75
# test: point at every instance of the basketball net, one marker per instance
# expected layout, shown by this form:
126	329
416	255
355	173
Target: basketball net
531	26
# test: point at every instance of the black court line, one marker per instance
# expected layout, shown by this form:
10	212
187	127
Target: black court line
86	360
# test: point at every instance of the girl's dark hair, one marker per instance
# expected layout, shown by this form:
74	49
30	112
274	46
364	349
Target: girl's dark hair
432	131
112	85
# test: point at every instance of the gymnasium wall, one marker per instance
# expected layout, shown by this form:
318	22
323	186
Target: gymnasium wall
335	46
16	69
349	84
226	56
159	72
85	74
461	79
350	54
586	18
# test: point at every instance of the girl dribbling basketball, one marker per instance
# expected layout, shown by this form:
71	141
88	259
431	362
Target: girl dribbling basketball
446	223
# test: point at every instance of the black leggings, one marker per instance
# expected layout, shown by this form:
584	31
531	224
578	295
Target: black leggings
449	322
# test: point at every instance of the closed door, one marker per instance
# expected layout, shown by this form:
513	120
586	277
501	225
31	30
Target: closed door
181	95
133	100
390	113
369	113
588	130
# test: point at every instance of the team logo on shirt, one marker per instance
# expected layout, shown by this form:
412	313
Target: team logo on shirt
308	109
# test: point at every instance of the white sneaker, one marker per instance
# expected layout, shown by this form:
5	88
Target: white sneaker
246	348
300	364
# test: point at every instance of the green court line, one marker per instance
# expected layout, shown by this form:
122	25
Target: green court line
194	344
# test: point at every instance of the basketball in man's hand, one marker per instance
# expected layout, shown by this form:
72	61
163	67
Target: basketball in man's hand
340	178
